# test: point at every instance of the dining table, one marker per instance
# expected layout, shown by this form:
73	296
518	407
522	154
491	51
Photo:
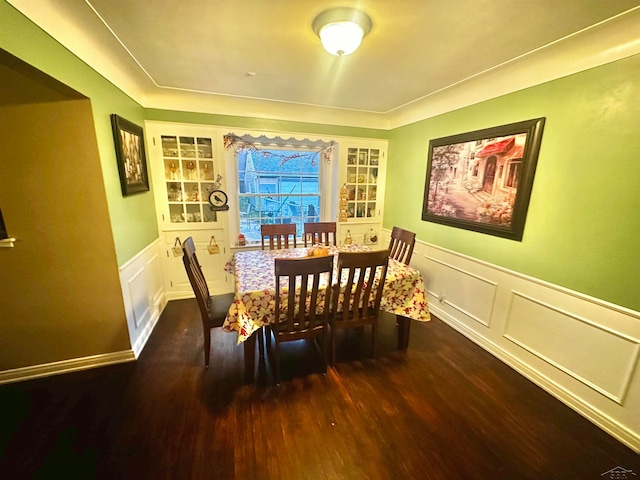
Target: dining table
404	295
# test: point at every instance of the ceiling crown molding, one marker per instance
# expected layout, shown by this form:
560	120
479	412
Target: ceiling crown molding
608	41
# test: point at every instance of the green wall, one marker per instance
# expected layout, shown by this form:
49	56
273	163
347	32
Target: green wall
583	221
132	218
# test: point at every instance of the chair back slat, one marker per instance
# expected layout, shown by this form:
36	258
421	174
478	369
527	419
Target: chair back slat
313	306
292	319
401	245
277	235
359	298
320	233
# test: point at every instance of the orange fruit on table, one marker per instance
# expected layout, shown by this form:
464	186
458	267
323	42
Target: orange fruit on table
317	251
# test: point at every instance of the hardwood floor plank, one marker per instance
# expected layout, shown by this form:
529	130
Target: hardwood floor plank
442	409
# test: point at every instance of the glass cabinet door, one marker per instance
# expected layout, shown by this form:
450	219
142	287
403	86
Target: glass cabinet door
189	178
362	182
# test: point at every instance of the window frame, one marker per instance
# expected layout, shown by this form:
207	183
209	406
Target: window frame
278	178
327	180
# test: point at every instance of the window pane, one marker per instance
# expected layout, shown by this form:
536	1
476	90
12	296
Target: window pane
277	186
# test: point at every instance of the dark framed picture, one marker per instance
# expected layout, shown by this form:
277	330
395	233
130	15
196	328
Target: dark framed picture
482	180
132	161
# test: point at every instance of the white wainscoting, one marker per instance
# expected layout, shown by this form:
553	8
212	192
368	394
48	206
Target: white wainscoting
144	296
582	350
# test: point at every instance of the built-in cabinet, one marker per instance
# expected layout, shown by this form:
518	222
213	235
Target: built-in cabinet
187	165
362	168
188	162
362	182
188	178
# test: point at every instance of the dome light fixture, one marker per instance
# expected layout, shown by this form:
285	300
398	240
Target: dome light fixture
341	29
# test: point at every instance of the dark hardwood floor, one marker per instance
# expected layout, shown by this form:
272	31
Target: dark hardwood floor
444	409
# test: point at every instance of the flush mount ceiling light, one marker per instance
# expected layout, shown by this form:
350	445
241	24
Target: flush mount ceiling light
341	29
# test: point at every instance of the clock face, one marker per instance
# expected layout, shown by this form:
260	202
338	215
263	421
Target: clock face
218	198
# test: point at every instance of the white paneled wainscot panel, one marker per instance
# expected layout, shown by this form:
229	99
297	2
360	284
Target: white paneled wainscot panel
574	345
143	293
463	291
582	350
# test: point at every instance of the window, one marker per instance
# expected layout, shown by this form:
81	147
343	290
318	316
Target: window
277	185
513	173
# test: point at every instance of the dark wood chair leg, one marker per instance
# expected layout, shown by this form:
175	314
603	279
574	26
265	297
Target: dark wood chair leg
276	370
262	366
261	334
249	357
207	346
374	331
332	359
267	335
325	349
404	327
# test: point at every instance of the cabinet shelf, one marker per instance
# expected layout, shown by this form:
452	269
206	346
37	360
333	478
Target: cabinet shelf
363	180
189	178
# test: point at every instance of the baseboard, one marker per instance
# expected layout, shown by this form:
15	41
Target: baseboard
596	417
65	366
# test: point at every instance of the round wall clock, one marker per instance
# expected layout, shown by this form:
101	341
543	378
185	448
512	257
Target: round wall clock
218	200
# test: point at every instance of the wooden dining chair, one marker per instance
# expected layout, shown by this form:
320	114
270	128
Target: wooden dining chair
213	309
320	233
303	315
277	235
357	293
401	245
401	249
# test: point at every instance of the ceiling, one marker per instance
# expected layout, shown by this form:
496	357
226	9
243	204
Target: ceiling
250	52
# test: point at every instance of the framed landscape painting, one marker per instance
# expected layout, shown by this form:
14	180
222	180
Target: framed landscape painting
482	180
132	161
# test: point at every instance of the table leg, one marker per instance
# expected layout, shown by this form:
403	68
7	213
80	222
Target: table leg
250	354
249	358
404	327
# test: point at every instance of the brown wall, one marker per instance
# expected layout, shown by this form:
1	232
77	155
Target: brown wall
60	295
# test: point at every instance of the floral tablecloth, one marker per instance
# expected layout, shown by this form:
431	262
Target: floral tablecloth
254	306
